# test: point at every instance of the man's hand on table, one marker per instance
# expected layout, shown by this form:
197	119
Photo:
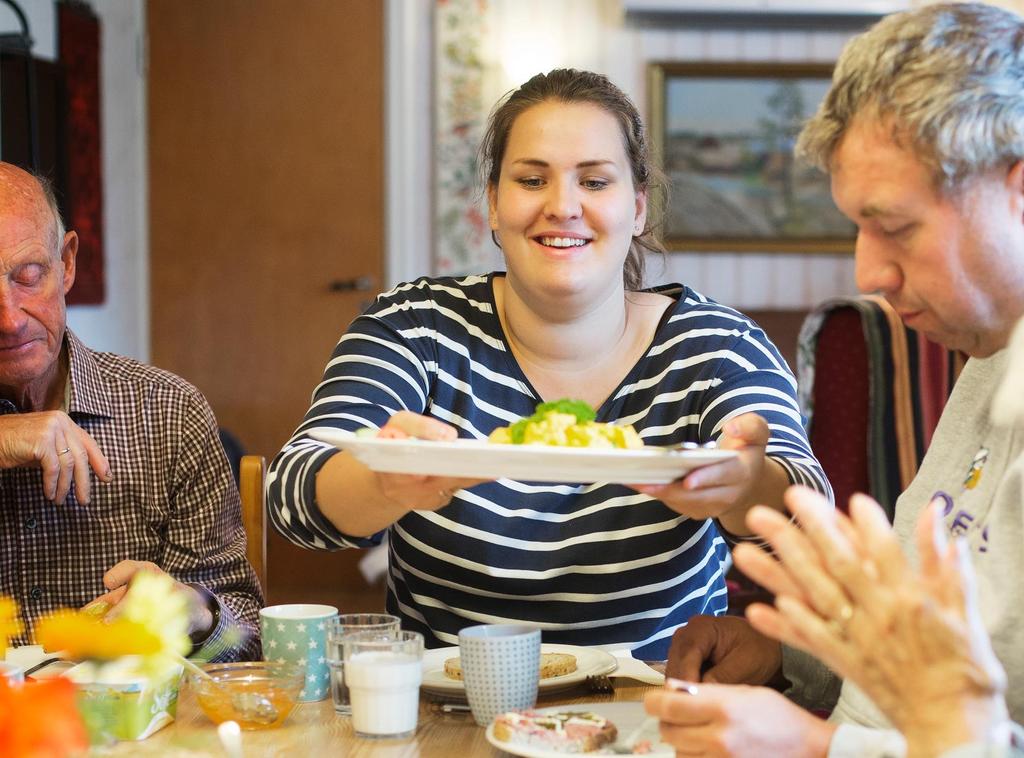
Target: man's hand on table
723	649
735	720
65	452
117	579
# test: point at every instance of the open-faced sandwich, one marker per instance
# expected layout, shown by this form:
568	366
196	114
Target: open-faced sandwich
566	423
564	732
551	664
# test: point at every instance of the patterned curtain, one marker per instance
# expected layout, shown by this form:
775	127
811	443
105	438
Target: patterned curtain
462	241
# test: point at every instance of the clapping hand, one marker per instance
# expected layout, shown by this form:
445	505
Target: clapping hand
913	640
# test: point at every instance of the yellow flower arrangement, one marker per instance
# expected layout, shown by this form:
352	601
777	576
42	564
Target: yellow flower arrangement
10	624
153	602
86	637
151	622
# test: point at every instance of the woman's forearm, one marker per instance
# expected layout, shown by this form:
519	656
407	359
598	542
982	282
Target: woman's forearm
349	495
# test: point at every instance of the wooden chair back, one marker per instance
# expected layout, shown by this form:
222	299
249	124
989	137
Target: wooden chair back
251	475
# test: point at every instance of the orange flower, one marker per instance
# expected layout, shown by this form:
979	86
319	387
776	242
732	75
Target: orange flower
84	636
40	720
10	624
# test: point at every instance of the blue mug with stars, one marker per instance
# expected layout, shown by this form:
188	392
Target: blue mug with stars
297	633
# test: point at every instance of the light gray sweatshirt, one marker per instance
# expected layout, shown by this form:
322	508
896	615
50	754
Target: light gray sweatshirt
977	467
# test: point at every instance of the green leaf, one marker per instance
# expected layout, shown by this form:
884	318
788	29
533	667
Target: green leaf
578	408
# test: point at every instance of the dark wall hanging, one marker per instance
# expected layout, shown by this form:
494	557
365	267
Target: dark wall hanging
50	125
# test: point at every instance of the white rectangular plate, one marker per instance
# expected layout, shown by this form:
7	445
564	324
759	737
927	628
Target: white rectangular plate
478	459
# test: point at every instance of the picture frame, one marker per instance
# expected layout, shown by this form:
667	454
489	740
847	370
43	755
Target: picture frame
723	134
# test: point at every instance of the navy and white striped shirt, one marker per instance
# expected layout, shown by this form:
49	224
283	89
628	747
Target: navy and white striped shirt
595	564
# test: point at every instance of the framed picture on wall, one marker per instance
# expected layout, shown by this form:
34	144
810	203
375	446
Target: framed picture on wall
724	133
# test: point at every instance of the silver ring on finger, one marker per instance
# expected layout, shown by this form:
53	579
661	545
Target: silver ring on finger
64	451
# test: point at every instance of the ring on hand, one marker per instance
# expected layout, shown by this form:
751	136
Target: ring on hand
65	450
838	625
446	495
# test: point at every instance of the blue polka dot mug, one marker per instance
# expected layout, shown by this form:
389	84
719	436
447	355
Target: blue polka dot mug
500	668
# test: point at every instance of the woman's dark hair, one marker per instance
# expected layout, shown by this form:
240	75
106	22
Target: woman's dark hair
569	85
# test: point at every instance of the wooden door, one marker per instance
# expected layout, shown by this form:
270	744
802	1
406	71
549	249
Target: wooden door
266	186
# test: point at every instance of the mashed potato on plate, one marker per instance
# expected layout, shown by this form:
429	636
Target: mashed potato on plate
566	423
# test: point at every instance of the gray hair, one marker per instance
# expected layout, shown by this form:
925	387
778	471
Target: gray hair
948	78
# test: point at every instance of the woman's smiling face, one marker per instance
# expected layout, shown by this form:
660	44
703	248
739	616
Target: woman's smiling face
564	207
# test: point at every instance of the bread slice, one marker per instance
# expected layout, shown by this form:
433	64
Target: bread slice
453	668
562	732
556	664
551	664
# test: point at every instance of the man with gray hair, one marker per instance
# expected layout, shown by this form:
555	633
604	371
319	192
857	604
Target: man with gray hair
165	499
922	133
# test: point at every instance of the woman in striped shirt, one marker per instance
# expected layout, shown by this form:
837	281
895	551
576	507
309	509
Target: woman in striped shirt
568	181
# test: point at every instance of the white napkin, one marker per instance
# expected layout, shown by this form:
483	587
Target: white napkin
630	668
25	656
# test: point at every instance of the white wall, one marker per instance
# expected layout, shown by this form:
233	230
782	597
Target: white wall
593	34
42	27
121	323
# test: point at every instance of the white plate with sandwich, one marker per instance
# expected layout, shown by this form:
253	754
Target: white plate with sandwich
543	741
589	661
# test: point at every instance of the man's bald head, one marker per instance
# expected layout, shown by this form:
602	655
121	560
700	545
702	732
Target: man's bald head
37	268
32	196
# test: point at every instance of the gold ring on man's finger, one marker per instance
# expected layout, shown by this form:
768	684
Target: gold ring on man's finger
65	450
838	626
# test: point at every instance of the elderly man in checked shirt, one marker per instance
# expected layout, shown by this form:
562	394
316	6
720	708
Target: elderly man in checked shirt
107	466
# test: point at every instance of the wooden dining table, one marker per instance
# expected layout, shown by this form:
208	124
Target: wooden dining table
314	729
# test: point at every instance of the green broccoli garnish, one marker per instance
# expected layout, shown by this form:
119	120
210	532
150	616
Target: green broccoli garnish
581	410
578	408
518	430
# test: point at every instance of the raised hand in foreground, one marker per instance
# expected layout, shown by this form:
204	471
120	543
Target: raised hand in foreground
912	640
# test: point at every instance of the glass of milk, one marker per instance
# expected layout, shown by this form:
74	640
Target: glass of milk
383	671
337	629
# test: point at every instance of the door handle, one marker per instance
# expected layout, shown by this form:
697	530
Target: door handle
358	284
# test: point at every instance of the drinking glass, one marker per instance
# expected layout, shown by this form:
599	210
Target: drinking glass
383	671
337	629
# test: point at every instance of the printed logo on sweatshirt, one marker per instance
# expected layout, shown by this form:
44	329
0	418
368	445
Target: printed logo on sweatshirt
963	520
974	472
